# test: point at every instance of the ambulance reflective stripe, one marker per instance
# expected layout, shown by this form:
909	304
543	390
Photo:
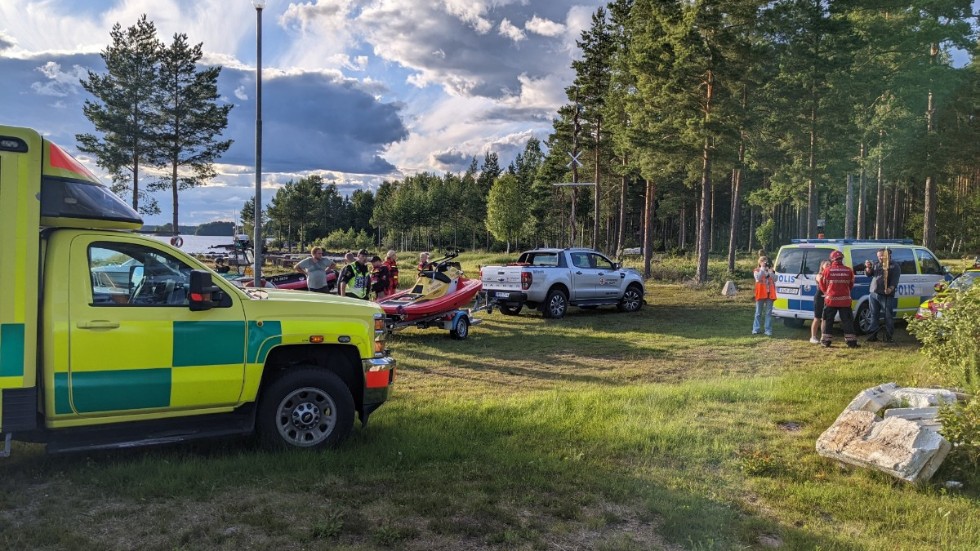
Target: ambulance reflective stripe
12	350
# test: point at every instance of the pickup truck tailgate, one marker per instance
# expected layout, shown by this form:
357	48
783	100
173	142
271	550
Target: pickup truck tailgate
501	278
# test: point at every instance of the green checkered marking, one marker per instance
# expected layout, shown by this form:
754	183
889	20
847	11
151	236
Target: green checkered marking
11	349
99	391
208	343
262	339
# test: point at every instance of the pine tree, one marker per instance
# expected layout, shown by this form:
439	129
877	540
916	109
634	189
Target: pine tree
589	90
189	119
124	110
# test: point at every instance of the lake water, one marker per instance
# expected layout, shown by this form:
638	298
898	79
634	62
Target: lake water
200	244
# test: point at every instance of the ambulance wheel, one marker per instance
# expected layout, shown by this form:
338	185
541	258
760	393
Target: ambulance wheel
306	407
862	320
555	304
509	310
632	299
462	329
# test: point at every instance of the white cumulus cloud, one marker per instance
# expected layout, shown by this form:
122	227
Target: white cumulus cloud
511	31
544	27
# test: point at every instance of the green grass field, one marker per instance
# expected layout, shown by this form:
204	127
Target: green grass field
670	428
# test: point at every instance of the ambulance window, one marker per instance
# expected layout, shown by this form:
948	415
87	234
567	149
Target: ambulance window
135	275
64	197
905	260
790	261
928	263
858	256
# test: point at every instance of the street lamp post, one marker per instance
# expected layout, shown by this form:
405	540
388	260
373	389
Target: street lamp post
257	241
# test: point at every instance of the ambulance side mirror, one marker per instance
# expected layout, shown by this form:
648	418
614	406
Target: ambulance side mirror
204	295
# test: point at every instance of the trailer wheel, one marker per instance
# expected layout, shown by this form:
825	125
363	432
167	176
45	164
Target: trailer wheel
461	329
306	407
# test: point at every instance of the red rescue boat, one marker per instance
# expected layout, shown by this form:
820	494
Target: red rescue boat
438	291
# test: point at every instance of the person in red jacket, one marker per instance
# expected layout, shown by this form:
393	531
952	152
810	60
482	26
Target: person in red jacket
835	283
765	293
391	261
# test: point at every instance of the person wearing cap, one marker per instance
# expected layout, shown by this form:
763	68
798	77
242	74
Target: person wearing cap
355	278
835	283
882	297
765	294
316	267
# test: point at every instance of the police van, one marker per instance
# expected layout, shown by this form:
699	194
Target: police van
797	265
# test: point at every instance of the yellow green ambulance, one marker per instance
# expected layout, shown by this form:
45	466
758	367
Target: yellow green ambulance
112	339
797	265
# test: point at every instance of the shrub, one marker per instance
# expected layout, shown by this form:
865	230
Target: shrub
952	342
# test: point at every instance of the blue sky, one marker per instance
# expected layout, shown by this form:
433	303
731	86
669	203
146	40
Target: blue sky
357	91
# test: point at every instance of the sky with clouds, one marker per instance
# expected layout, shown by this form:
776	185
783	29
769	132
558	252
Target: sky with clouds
357	91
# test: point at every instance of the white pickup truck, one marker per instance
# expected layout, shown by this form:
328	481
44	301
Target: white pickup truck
553	279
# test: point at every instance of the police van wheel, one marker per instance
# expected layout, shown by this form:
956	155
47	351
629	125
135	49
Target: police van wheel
306	408
862	320
793	323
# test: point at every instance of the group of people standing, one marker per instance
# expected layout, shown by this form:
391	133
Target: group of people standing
360	277
833	298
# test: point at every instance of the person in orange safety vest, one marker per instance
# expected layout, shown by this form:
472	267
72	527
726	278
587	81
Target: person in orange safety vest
765	293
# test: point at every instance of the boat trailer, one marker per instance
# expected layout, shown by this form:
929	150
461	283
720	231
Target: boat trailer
457	321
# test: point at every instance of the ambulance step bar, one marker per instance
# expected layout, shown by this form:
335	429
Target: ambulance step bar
148	433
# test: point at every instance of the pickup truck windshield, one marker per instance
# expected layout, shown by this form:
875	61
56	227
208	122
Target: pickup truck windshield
69	198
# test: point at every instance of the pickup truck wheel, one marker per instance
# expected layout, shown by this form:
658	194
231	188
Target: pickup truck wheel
307	408
555	304
462	329
510	310
632	299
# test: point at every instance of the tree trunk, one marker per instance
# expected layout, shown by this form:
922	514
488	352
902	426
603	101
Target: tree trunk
648	215
595	191
622	209
812	206
701	274
862	207
880	197
849	208
173	182
736	205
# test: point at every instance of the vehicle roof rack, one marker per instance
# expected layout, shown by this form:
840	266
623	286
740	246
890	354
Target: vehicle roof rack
854	241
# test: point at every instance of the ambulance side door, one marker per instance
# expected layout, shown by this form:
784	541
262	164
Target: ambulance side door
134	345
